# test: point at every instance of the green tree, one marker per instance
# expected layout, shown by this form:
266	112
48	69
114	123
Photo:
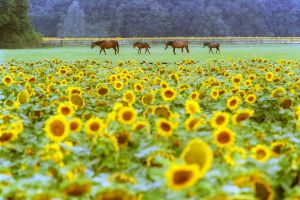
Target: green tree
16	30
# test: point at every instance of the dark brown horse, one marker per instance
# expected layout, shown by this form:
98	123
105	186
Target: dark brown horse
106	44
141	46
211	46
178	44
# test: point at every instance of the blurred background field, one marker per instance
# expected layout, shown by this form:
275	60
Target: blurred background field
158	53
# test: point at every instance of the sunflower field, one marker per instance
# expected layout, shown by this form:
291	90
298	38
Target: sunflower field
222	130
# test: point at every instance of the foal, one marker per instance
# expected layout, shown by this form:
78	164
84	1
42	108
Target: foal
141	46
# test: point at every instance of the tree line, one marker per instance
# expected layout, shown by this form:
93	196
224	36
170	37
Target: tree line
157	18
15	27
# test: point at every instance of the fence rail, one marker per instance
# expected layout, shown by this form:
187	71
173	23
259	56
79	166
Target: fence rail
55	42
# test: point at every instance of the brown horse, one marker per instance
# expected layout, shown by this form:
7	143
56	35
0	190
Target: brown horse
106	44
141	46
211	46
178	44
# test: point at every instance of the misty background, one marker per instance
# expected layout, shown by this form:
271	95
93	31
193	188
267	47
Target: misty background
157	18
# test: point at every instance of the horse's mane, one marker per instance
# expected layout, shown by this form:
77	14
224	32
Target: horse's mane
137	43
170	42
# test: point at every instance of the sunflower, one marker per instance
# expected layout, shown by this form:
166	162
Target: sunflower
182	176
250	98
277	147
233	102
140	125
242	115
219	119
269	76
129	97
224	137
123	138
194	96
116	194
263	190
57	128
162	111
261	153
75	125
236	80
66	109
102	90
234	152
164	127
192	123
278	92
8	80
214	93
138	87
247	83
191	107
23	97
148	98
127	115
94	125
78	189
164	85
77	100
198	152
118	85
168	94
286	103
7	136
74	90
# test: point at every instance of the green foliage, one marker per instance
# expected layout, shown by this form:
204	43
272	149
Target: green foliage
16	30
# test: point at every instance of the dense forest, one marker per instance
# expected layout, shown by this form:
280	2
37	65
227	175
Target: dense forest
15	27
132	18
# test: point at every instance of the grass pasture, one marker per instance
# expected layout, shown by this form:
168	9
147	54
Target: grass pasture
158	53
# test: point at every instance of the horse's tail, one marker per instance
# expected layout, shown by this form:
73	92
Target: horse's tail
118	47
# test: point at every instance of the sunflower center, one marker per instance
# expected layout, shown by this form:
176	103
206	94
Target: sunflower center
242	117
224	137
57	128
250	98
169	94
102	91
236	80
8	80
220	120
260	154
165	126
77	100
65	110
94	126
5	137
182	176
193	123
74	126
262	192
127	116
233	102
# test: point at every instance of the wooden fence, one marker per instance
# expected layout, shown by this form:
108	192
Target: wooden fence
56	42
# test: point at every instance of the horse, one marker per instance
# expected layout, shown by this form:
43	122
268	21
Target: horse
106	44
141	46
211	46
178	44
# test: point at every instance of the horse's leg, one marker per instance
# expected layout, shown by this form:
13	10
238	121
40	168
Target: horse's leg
115	50
100	50
211	51
182	50
174	51
104	51
187	49
140	51
219	50
148	50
